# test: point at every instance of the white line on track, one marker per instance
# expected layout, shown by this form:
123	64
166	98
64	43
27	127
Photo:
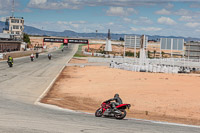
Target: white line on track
52	82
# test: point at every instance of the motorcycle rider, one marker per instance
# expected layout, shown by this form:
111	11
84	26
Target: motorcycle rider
117	102
32	57
10	59
37	54
49	56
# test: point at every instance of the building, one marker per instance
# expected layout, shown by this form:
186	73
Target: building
136	42
8	46
4	36
192	50
15	27
133	41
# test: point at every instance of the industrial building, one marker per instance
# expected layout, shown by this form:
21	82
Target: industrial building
192	50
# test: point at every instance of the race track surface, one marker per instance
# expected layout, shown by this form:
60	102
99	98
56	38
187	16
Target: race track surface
21	86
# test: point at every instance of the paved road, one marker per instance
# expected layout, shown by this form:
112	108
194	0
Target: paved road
21	85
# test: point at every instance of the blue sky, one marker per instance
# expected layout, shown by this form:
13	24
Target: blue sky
151	17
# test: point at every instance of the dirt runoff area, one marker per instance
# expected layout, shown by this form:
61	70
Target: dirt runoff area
153	96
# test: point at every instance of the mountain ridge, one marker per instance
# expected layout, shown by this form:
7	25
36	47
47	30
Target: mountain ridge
68	33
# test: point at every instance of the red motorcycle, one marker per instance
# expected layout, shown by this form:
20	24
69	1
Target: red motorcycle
107	111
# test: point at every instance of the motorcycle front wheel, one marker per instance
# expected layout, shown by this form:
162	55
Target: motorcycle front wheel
99	112
121	115
10	64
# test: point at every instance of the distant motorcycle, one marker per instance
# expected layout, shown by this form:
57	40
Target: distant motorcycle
49	56
32	58
37	55
107	111
10	63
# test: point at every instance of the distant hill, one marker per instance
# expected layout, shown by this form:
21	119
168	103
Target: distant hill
68	33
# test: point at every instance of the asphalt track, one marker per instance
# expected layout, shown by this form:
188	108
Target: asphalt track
21	86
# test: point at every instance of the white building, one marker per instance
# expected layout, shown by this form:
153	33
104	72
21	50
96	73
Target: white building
192	50
136	42
15	27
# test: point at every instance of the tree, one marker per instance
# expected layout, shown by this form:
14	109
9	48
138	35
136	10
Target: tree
162	53
154	53
129	53
26	38
149	54
138	54
121	39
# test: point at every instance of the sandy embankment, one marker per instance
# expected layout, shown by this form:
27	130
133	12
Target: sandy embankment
164	97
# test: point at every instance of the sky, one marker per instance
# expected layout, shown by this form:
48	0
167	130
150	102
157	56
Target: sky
149	17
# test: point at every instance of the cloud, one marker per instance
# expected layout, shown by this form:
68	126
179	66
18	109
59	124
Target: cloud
53	5
192	25
142	21
198	30
147	29
138	21
73	24
120	11
54	26
163	12
186	18
3	19
166	20
37	2
151	29
5	7
134	29
195	5
183	12
26	10
128	20
77	26
4	12
77	4
169	6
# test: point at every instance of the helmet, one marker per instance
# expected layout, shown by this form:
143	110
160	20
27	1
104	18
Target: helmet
116	95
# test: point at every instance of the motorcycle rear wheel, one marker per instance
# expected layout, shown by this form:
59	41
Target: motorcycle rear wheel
122	115
10	64
99	112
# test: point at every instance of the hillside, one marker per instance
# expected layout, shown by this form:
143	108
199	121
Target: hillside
68	33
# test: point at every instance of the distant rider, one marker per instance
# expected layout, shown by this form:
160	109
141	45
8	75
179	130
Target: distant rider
49	56
32	57
10	59
37	55
117	102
